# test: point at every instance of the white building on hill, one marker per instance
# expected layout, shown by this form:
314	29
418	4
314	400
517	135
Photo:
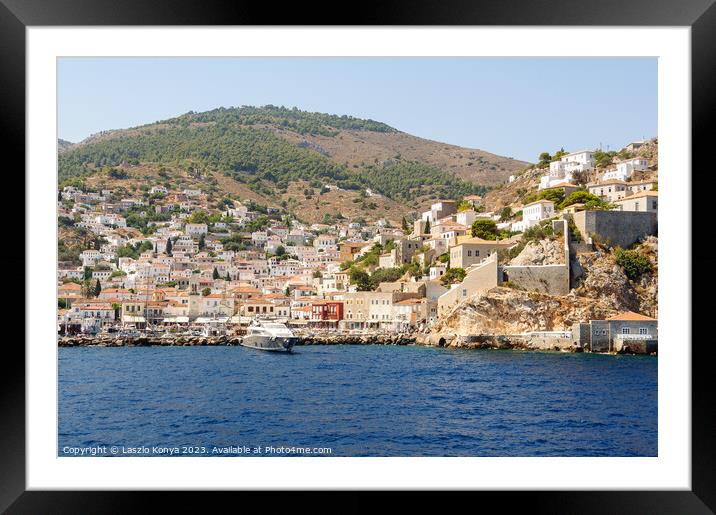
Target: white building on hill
533	213
564	169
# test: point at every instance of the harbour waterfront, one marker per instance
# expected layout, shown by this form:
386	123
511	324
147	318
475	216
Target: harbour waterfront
357	401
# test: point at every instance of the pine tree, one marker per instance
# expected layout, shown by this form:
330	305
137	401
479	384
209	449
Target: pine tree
169	247
97	288
228	277
201	242
427	227
216	273
406	227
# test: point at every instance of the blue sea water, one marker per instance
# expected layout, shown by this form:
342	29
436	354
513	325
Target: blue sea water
356	401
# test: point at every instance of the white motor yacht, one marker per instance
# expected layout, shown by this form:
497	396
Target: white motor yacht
271	336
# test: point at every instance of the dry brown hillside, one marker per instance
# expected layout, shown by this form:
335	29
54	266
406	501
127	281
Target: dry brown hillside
360	148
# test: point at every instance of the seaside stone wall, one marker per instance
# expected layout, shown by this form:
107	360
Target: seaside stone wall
549	279
616	228
635	346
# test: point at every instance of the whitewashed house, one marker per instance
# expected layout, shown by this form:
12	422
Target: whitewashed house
564	169
533	213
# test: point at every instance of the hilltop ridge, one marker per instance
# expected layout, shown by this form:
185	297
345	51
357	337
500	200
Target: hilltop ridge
270	150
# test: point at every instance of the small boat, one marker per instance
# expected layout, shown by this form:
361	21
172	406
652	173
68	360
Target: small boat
271	336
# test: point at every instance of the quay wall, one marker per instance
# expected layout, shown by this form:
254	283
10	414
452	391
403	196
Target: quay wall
326	338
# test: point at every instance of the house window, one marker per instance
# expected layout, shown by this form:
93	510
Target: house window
464	293
643	330
625	330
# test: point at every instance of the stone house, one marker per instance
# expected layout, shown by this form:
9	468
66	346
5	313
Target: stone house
626	329
472	251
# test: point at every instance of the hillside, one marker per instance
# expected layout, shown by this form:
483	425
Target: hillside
63	145
270	150
527	181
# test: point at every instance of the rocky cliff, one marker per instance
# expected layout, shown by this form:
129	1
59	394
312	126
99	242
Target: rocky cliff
603	278
601	290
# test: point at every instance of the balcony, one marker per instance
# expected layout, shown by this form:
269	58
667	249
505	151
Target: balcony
635	337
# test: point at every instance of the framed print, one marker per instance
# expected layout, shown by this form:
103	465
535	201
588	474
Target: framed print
360	257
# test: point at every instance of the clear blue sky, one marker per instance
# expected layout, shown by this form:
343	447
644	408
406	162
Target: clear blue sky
516	107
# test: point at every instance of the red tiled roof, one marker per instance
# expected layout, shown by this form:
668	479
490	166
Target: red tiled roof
631	316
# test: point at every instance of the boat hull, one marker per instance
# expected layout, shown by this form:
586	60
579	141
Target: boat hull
269	343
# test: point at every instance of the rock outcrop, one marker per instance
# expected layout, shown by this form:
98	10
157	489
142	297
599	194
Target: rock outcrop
506	311
541	252
603	278
603	290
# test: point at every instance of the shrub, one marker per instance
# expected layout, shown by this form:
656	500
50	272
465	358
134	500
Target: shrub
632	262
540	231
453	276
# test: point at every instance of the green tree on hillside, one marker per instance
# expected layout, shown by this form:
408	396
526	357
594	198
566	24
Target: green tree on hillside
360	278
589	200
544	160
559	154
453	276
484	228
405	226
603	159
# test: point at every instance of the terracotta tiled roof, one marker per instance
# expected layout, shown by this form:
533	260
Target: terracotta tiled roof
630	315
70	286
408	302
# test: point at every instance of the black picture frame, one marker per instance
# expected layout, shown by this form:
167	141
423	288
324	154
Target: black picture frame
700	15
